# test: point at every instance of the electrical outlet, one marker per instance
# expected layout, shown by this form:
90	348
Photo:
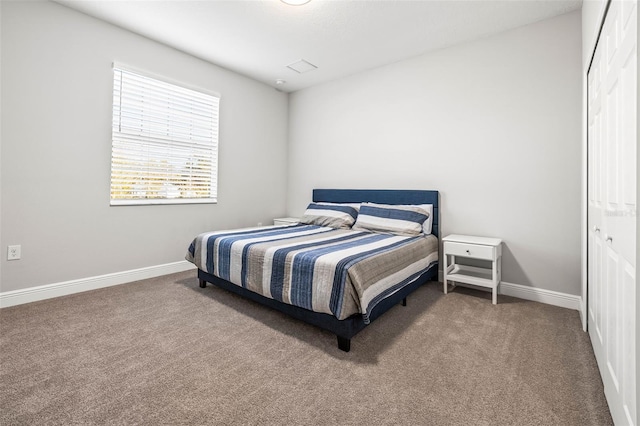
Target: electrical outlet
13	252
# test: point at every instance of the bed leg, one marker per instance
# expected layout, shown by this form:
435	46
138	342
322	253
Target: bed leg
344	344
203	283
404	302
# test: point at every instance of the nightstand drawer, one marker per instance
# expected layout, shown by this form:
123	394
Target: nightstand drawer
470	250
285	221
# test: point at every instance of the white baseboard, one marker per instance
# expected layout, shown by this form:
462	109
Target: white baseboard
33	294
534	294
48	291
583	317
541	295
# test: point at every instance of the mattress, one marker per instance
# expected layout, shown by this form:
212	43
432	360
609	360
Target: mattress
341	272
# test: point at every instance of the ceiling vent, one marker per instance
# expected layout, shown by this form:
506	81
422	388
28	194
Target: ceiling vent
302	66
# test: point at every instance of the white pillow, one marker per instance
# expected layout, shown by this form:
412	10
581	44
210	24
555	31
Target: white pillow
428	224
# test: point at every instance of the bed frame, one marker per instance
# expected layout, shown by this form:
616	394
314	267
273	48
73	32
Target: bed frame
349	327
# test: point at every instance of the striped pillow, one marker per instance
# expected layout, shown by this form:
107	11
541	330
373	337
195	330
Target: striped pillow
329	214
390	219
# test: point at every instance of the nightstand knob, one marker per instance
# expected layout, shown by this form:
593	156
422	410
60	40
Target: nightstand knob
596	229
609	238
468	252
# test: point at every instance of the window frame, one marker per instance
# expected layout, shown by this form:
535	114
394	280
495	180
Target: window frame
215	140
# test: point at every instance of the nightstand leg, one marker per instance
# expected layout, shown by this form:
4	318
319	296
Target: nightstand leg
495	277
444	274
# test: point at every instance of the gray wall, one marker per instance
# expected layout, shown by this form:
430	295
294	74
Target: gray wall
494	124
56	146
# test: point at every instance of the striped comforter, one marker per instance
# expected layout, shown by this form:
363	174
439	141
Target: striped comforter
335	271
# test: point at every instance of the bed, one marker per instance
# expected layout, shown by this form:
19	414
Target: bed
338	278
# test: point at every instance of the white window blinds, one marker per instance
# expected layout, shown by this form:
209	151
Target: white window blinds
165	142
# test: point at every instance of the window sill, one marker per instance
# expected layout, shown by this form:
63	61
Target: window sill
163	201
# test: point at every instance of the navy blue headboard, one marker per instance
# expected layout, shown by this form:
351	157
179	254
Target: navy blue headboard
383	196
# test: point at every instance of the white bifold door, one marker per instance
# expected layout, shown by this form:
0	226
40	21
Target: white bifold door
612	180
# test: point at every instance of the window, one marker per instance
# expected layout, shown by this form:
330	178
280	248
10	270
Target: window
164	142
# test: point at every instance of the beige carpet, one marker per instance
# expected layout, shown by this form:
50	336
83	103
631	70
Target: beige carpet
165	352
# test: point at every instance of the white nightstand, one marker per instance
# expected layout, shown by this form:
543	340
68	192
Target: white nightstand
286	220
475	248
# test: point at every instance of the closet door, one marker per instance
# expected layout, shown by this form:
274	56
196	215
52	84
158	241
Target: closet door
612	180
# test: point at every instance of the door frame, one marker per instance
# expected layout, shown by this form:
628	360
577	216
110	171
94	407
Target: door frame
584	301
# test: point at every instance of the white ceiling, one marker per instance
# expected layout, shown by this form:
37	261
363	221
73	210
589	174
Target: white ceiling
260	38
